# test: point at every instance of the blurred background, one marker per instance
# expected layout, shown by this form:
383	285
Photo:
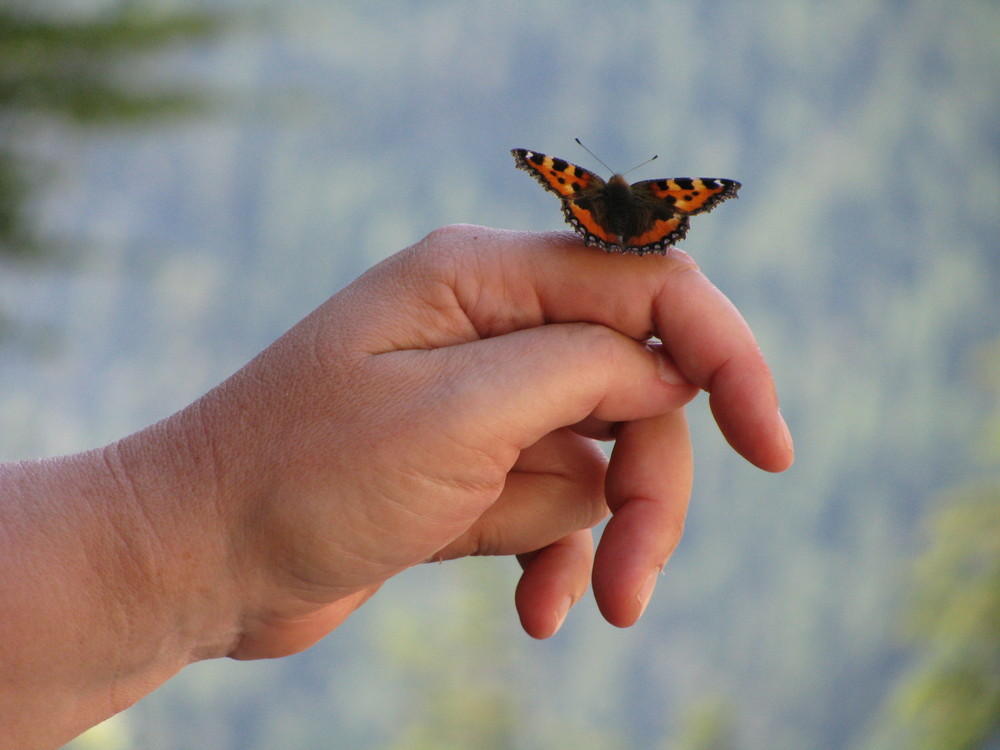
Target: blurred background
181	181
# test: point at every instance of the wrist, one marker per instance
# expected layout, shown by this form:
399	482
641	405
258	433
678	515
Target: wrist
114	575
174	560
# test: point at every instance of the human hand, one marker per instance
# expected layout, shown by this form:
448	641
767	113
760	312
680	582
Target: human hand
443	404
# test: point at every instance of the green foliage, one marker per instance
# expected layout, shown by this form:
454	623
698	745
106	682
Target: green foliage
78	68
13	192
950	698
80	72
988	368
707	726
455	703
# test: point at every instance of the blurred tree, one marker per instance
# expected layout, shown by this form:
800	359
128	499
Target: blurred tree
459	702
708	725
951	696
59	67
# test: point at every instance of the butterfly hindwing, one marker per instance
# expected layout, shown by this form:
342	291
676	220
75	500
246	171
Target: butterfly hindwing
662	234
582	215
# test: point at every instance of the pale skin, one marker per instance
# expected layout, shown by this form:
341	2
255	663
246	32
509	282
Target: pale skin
447	403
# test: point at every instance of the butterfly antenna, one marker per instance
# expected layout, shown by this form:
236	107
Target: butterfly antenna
594	155
651	158
657	156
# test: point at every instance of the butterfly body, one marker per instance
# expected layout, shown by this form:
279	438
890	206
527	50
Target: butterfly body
644	217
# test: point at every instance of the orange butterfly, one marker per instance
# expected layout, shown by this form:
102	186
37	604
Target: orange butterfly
645	217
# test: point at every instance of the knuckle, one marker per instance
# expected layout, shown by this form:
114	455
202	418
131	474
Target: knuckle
450	241
446	252
681	261
595	339
600	344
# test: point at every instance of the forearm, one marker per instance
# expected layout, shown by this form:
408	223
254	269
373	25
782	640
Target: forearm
109	582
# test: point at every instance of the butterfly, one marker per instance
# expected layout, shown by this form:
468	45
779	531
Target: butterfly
644	217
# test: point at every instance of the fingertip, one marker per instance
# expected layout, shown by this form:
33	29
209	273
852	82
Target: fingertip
635	547
744	403
787	456
777	454
554	579
539	620
623	610
541	625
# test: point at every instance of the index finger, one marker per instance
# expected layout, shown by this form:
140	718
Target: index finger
668	297
479	282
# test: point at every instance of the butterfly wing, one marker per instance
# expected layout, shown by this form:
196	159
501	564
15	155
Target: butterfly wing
666	206
557	175
687	195
661	233
578	188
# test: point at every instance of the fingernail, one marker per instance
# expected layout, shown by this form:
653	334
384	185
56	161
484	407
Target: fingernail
561	611
646	590
786	434
667	370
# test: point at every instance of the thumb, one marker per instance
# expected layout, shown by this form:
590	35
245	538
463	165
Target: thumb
520	386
